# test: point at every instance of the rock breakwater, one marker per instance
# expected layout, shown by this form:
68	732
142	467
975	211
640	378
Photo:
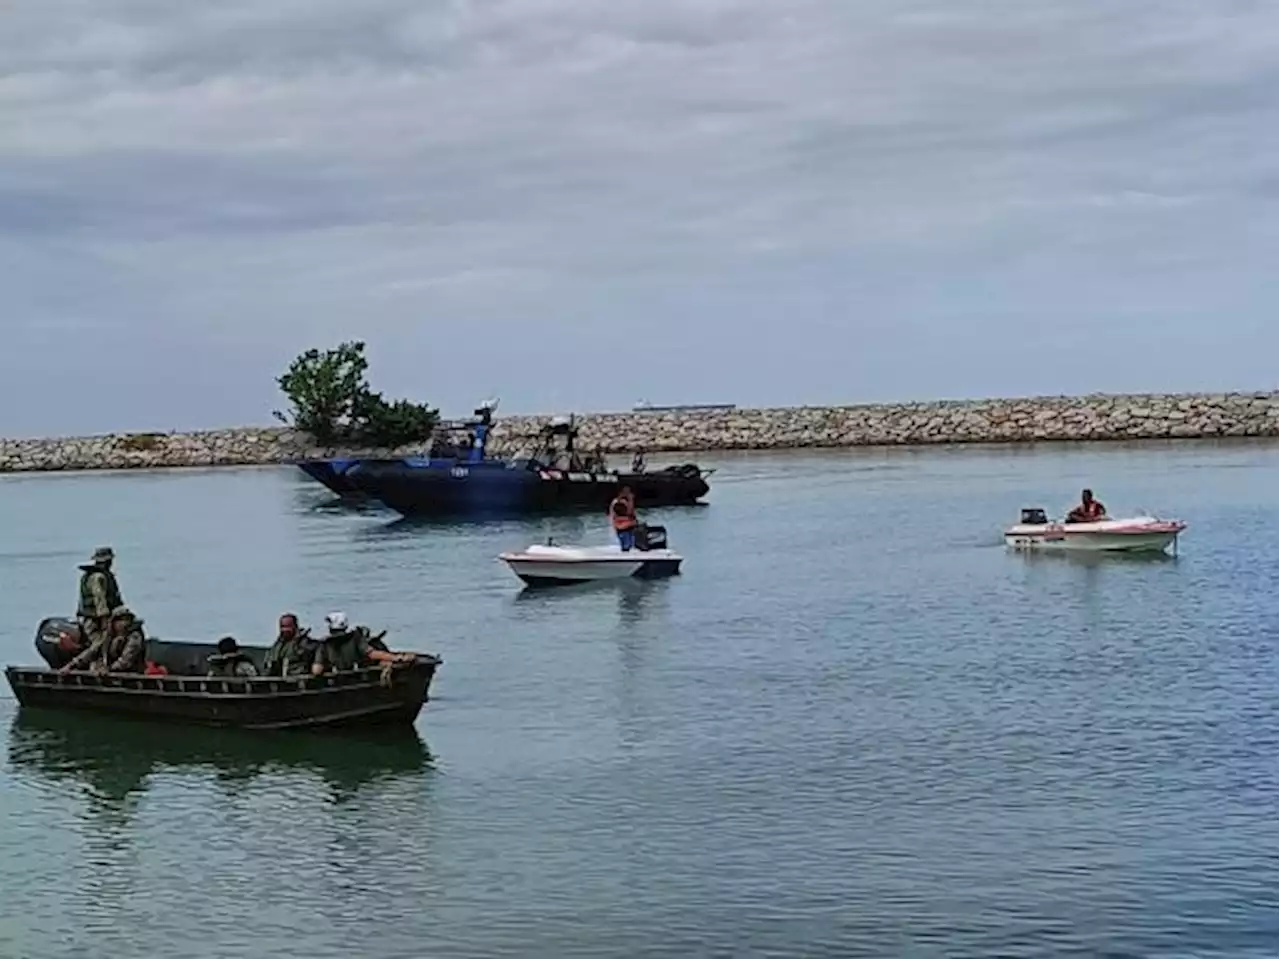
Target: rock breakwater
1058	418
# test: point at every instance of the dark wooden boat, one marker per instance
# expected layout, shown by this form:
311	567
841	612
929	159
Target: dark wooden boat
356	698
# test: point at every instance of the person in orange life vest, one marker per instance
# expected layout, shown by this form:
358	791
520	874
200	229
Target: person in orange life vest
622	511
1090	510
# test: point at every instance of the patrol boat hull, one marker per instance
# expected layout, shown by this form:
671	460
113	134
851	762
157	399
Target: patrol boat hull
332	474
355	698
514	488
1141	534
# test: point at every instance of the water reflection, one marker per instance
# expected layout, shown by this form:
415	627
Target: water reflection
1094	559
564	528
330	503
636	598
113	758
309	497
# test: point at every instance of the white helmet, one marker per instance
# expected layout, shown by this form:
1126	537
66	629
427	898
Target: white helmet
337	622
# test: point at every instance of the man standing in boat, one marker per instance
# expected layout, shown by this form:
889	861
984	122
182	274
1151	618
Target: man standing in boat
1090	510
99	595
622	513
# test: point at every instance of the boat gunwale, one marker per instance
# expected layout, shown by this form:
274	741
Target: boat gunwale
1057	530
535	558
231	688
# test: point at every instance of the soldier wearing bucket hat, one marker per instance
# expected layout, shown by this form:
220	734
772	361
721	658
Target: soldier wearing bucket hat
99	595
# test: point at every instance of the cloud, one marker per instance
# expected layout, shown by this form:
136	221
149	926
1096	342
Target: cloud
764	202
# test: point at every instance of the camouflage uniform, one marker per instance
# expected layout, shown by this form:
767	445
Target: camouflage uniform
116	652
345	650
99	595
230	661
87	657
236	666
127	653
290	655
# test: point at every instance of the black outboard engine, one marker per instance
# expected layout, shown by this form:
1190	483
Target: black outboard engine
651	537
58	640
687	470
1034	517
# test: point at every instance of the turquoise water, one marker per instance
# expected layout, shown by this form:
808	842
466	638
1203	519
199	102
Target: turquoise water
854	726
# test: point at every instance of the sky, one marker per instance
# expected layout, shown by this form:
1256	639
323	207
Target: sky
582	204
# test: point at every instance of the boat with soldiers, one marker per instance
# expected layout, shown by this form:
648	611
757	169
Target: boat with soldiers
549	475
176	686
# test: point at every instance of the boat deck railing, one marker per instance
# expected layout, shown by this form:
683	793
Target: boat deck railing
209	685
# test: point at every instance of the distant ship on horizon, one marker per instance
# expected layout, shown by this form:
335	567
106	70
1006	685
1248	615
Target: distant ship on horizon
644	406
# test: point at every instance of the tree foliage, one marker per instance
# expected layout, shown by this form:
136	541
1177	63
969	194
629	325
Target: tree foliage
324	389
332	401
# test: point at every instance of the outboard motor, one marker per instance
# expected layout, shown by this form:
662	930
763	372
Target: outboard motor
58	640
687	470
1034	517
651	537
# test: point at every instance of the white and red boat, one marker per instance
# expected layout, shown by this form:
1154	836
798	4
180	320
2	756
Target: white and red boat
552	565
1135	534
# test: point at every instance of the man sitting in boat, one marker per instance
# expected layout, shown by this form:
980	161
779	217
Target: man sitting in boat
596	462
1090	510
121	651
347	648
622	513
230	661
293	652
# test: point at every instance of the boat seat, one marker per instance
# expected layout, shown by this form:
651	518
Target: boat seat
192	659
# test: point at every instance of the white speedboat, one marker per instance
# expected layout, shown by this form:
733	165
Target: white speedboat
552	565
1135	534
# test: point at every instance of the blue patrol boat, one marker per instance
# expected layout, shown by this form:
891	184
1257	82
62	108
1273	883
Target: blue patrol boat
459	441
331	474
552	477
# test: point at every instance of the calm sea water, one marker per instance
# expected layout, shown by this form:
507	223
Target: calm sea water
855	726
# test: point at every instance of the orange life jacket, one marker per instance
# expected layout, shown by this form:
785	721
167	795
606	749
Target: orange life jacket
624	518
